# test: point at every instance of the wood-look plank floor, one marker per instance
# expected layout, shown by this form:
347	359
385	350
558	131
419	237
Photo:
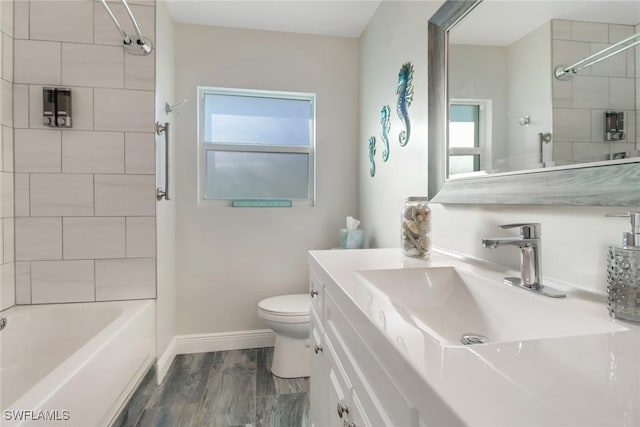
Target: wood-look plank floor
227	389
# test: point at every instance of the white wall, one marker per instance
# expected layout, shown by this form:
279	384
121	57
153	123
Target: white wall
230	258
481	72
165	210
396	34
529	88
575	238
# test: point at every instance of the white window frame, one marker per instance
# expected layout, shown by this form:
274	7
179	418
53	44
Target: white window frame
484	134
205	146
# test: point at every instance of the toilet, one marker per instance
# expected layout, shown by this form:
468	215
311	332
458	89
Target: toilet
288	316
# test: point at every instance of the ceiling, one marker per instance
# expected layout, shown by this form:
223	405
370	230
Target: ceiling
502	22
323	17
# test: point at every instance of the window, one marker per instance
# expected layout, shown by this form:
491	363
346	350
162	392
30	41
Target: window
256	145
468	146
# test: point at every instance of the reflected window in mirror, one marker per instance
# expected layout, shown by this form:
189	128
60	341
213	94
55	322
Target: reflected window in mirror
469	135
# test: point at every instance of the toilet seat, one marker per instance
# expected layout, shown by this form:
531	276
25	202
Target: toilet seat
286	308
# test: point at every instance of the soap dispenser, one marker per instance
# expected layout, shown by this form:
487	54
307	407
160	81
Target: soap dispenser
623	273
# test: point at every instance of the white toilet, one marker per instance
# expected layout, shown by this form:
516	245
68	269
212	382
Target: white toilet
288	316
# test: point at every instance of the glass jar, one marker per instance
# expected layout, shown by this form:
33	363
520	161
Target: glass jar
416	228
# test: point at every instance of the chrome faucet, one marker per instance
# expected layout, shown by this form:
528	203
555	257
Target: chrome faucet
530	244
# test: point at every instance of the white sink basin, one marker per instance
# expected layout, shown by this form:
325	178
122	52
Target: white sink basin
447	303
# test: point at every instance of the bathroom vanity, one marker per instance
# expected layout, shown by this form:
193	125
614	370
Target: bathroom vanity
387	335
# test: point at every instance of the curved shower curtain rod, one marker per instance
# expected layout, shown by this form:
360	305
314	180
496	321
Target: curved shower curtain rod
563	72
141	46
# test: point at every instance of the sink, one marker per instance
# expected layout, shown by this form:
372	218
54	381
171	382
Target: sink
449	303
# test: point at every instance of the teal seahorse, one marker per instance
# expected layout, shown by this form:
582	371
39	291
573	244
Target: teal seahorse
372	152
385	124
405	96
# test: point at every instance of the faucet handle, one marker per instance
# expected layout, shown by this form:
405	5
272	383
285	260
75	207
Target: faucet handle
528	230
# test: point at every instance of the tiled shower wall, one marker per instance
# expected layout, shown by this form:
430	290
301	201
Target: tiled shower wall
7	267
580	102
84	197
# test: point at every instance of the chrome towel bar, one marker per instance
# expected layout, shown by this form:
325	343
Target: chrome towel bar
160	192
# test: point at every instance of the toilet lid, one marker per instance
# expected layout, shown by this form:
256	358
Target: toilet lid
286	305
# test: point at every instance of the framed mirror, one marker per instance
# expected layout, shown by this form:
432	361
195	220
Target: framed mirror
539	106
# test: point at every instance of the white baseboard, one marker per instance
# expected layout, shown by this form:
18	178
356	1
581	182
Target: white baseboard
165	360
203	343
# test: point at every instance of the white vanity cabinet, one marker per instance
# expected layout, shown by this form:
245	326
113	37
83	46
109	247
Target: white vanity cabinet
349	386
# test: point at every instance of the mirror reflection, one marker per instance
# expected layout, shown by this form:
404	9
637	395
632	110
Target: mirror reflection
543	85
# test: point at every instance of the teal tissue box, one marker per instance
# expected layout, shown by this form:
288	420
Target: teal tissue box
351	239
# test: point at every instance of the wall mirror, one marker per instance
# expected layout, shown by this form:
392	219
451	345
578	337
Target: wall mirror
535	103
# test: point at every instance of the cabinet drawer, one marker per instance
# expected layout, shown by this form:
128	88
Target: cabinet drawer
381	400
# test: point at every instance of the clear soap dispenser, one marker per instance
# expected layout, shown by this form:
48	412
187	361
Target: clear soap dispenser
623	273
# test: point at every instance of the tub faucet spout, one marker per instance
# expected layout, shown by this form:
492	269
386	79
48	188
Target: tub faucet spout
530	244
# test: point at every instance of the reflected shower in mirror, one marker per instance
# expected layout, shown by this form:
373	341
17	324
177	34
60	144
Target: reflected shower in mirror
509	111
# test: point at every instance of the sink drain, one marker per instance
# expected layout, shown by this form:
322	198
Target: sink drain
471	339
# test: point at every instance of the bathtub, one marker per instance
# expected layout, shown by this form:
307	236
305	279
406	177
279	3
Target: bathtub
73	364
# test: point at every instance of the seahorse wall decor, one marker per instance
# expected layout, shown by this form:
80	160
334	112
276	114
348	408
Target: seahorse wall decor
404	91
385	125
372	152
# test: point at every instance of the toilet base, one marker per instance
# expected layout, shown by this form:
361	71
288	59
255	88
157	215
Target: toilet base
291	357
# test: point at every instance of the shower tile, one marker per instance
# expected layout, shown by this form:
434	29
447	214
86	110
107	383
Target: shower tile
62	281
597	126
70	21
589	31
6	103
93	238
8	240
7	149
21	189
38	239
125	279
124	110
590	92
7	58
622	92
92	65
92	152
6	17
139	71
21	106
106	33
36	62
572	124
61	195
37	150
561	29
81	99
140	153
6	195
7	286
23	282
141	237
568	52
619	32
616	66
125	195
21	19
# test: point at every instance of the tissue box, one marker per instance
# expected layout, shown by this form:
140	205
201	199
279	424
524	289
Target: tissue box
351	239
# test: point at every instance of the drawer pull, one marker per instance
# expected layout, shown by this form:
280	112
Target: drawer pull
317	349
314	293
342	409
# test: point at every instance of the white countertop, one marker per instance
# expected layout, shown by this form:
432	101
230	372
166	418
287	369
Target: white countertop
586	380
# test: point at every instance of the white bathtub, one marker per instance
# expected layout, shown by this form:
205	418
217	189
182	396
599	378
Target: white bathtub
73	364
